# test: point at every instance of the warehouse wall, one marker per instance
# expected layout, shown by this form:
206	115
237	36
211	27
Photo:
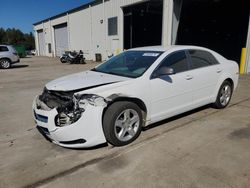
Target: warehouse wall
48	30
80	32
88	28
114	44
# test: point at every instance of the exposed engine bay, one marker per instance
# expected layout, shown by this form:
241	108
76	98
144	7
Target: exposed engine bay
57	99
69	105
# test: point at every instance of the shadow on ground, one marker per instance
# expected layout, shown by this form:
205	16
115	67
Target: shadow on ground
18	66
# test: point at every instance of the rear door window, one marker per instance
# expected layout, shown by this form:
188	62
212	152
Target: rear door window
200	58
3	49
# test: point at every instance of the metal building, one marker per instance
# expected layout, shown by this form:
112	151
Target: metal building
109	26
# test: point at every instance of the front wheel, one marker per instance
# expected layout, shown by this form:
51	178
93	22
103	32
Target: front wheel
122	123
224	95
63	60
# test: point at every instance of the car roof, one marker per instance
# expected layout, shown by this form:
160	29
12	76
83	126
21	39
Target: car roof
166	48
4	45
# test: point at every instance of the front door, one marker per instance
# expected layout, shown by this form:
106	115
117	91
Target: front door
171	94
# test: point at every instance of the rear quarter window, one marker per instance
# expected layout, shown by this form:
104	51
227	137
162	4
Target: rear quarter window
3	49
200	58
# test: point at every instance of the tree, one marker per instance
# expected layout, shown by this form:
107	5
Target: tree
16	37
29	41
2	36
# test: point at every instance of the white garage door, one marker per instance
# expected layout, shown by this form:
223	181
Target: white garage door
41	42
61	38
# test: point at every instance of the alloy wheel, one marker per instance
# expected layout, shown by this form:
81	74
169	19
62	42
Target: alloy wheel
225	95
5	64
127	125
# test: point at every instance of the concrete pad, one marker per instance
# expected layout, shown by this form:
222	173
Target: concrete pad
202	148
206	153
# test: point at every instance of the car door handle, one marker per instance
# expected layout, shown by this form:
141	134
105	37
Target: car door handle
189	77
219	70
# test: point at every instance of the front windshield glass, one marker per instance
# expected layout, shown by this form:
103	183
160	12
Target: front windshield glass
129	64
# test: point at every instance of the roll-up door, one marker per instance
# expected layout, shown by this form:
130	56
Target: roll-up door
41	42
61	38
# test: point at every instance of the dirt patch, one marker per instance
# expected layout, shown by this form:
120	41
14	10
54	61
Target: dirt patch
243	133
113	164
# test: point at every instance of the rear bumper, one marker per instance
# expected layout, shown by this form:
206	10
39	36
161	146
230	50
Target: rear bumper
86	132
18	61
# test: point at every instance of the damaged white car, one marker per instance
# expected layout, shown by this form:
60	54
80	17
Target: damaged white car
112	102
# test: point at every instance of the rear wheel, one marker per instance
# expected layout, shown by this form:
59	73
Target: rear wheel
82	61
224	95
5	63
122	123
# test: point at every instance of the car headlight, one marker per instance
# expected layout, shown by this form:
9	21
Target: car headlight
83	100
68	116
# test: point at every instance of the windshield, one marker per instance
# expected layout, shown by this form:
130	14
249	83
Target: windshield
129	64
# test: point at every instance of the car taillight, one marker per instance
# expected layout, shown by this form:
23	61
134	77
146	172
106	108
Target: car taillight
15	53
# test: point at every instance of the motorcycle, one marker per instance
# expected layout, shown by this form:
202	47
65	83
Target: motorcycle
73	57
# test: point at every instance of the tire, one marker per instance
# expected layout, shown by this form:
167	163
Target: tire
224	95
63	60
5	63
120	130
82	61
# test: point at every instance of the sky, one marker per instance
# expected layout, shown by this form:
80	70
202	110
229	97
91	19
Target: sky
21	14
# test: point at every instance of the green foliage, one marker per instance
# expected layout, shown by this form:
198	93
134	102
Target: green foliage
16	37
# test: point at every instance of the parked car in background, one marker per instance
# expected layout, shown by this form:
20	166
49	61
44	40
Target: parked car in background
112	102
8	56
31	52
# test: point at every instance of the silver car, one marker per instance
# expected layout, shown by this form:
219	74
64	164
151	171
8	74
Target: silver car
8	56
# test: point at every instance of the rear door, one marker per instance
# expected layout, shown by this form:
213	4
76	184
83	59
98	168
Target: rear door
206	71
171	94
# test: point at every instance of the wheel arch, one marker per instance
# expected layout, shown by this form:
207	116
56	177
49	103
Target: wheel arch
230	80
117	98
217	103
5	58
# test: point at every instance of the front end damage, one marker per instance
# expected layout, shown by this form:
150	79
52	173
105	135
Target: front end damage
70	119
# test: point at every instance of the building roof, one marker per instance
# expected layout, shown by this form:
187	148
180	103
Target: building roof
84	6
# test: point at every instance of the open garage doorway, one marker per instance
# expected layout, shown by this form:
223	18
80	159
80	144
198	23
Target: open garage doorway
221	25
143	24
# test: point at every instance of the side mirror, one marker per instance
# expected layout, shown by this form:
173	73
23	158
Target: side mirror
163	71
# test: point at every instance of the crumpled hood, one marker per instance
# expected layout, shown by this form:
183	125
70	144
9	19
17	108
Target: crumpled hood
83	80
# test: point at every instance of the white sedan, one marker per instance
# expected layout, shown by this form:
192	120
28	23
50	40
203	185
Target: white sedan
112	102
